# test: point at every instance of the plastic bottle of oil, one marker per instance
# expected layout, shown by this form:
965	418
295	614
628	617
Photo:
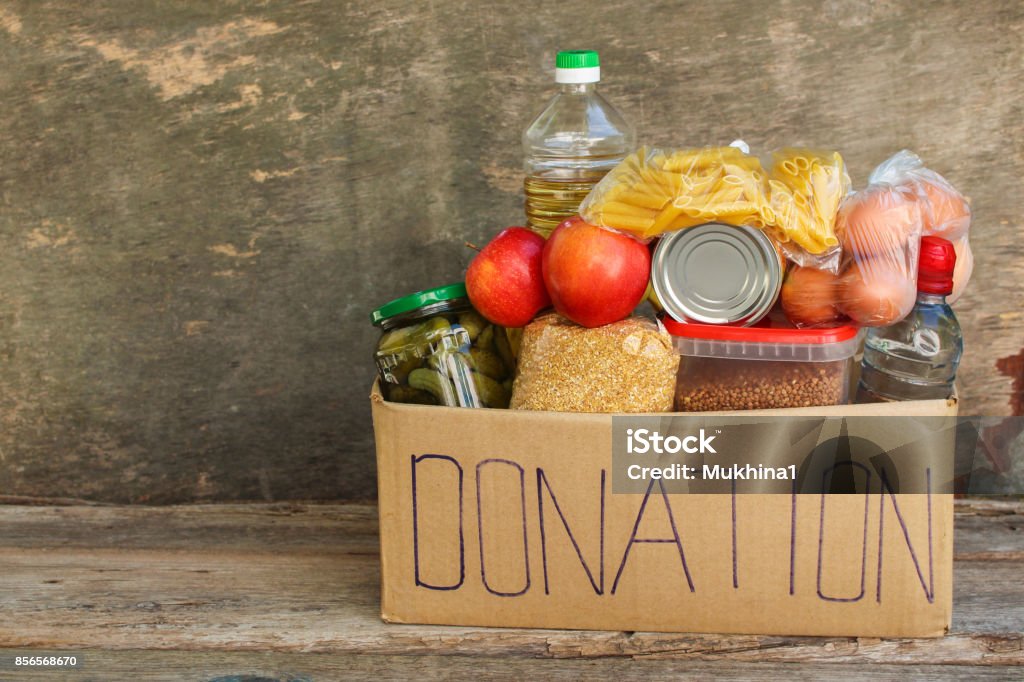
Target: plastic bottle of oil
572	143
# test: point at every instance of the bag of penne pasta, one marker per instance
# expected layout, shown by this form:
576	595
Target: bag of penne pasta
806	188
654	191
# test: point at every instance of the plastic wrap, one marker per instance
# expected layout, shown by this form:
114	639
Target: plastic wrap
655	191
806	188
880	230
945	212
878	282
626	366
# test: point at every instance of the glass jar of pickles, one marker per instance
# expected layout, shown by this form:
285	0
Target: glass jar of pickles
435	349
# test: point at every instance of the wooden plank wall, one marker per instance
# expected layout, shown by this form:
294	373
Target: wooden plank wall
200	202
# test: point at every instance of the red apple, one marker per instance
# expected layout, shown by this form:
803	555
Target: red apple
595	276
504	280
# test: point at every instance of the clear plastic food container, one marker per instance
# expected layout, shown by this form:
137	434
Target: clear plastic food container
769	365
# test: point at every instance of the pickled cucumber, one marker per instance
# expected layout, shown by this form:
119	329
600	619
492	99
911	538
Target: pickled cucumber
486	338
492	394
400	372
394	340
473	323
515	339
408	394
433	383
429	332
419	336
504	349
440	361
486	362
436	362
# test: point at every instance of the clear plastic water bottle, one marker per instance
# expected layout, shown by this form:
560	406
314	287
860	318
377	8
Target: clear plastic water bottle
572	143
917	358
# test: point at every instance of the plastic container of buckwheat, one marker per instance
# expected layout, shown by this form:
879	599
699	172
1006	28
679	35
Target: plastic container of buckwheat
769	365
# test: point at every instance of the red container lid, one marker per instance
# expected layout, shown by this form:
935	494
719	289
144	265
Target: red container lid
936	265
768	330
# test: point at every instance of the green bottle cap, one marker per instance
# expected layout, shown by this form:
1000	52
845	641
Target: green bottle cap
577	59
402	305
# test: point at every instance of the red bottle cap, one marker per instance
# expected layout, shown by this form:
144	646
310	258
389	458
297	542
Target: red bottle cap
935	267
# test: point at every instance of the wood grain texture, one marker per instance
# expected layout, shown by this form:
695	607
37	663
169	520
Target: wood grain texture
173	666
200	202
291	592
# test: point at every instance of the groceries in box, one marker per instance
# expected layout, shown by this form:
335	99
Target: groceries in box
717	246
708	237
667	284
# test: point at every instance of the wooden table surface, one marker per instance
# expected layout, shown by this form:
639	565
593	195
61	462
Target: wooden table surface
290	592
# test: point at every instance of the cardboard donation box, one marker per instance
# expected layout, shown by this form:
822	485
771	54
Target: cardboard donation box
507	518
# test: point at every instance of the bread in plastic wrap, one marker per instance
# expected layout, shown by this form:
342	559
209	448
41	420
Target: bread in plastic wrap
626	366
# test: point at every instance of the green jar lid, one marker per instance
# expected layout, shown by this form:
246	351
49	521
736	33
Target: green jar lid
448	292
577	59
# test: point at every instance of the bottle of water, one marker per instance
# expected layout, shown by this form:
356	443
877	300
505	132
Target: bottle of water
917	358
572	143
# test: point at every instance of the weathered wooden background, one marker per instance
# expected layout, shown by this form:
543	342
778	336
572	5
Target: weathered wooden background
201	202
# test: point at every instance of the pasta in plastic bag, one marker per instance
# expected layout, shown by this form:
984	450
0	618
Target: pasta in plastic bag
625	366
806	188
654	191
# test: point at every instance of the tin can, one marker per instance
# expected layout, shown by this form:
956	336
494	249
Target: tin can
717	274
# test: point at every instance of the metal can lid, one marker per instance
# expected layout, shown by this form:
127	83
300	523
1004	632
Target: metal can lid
717	274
